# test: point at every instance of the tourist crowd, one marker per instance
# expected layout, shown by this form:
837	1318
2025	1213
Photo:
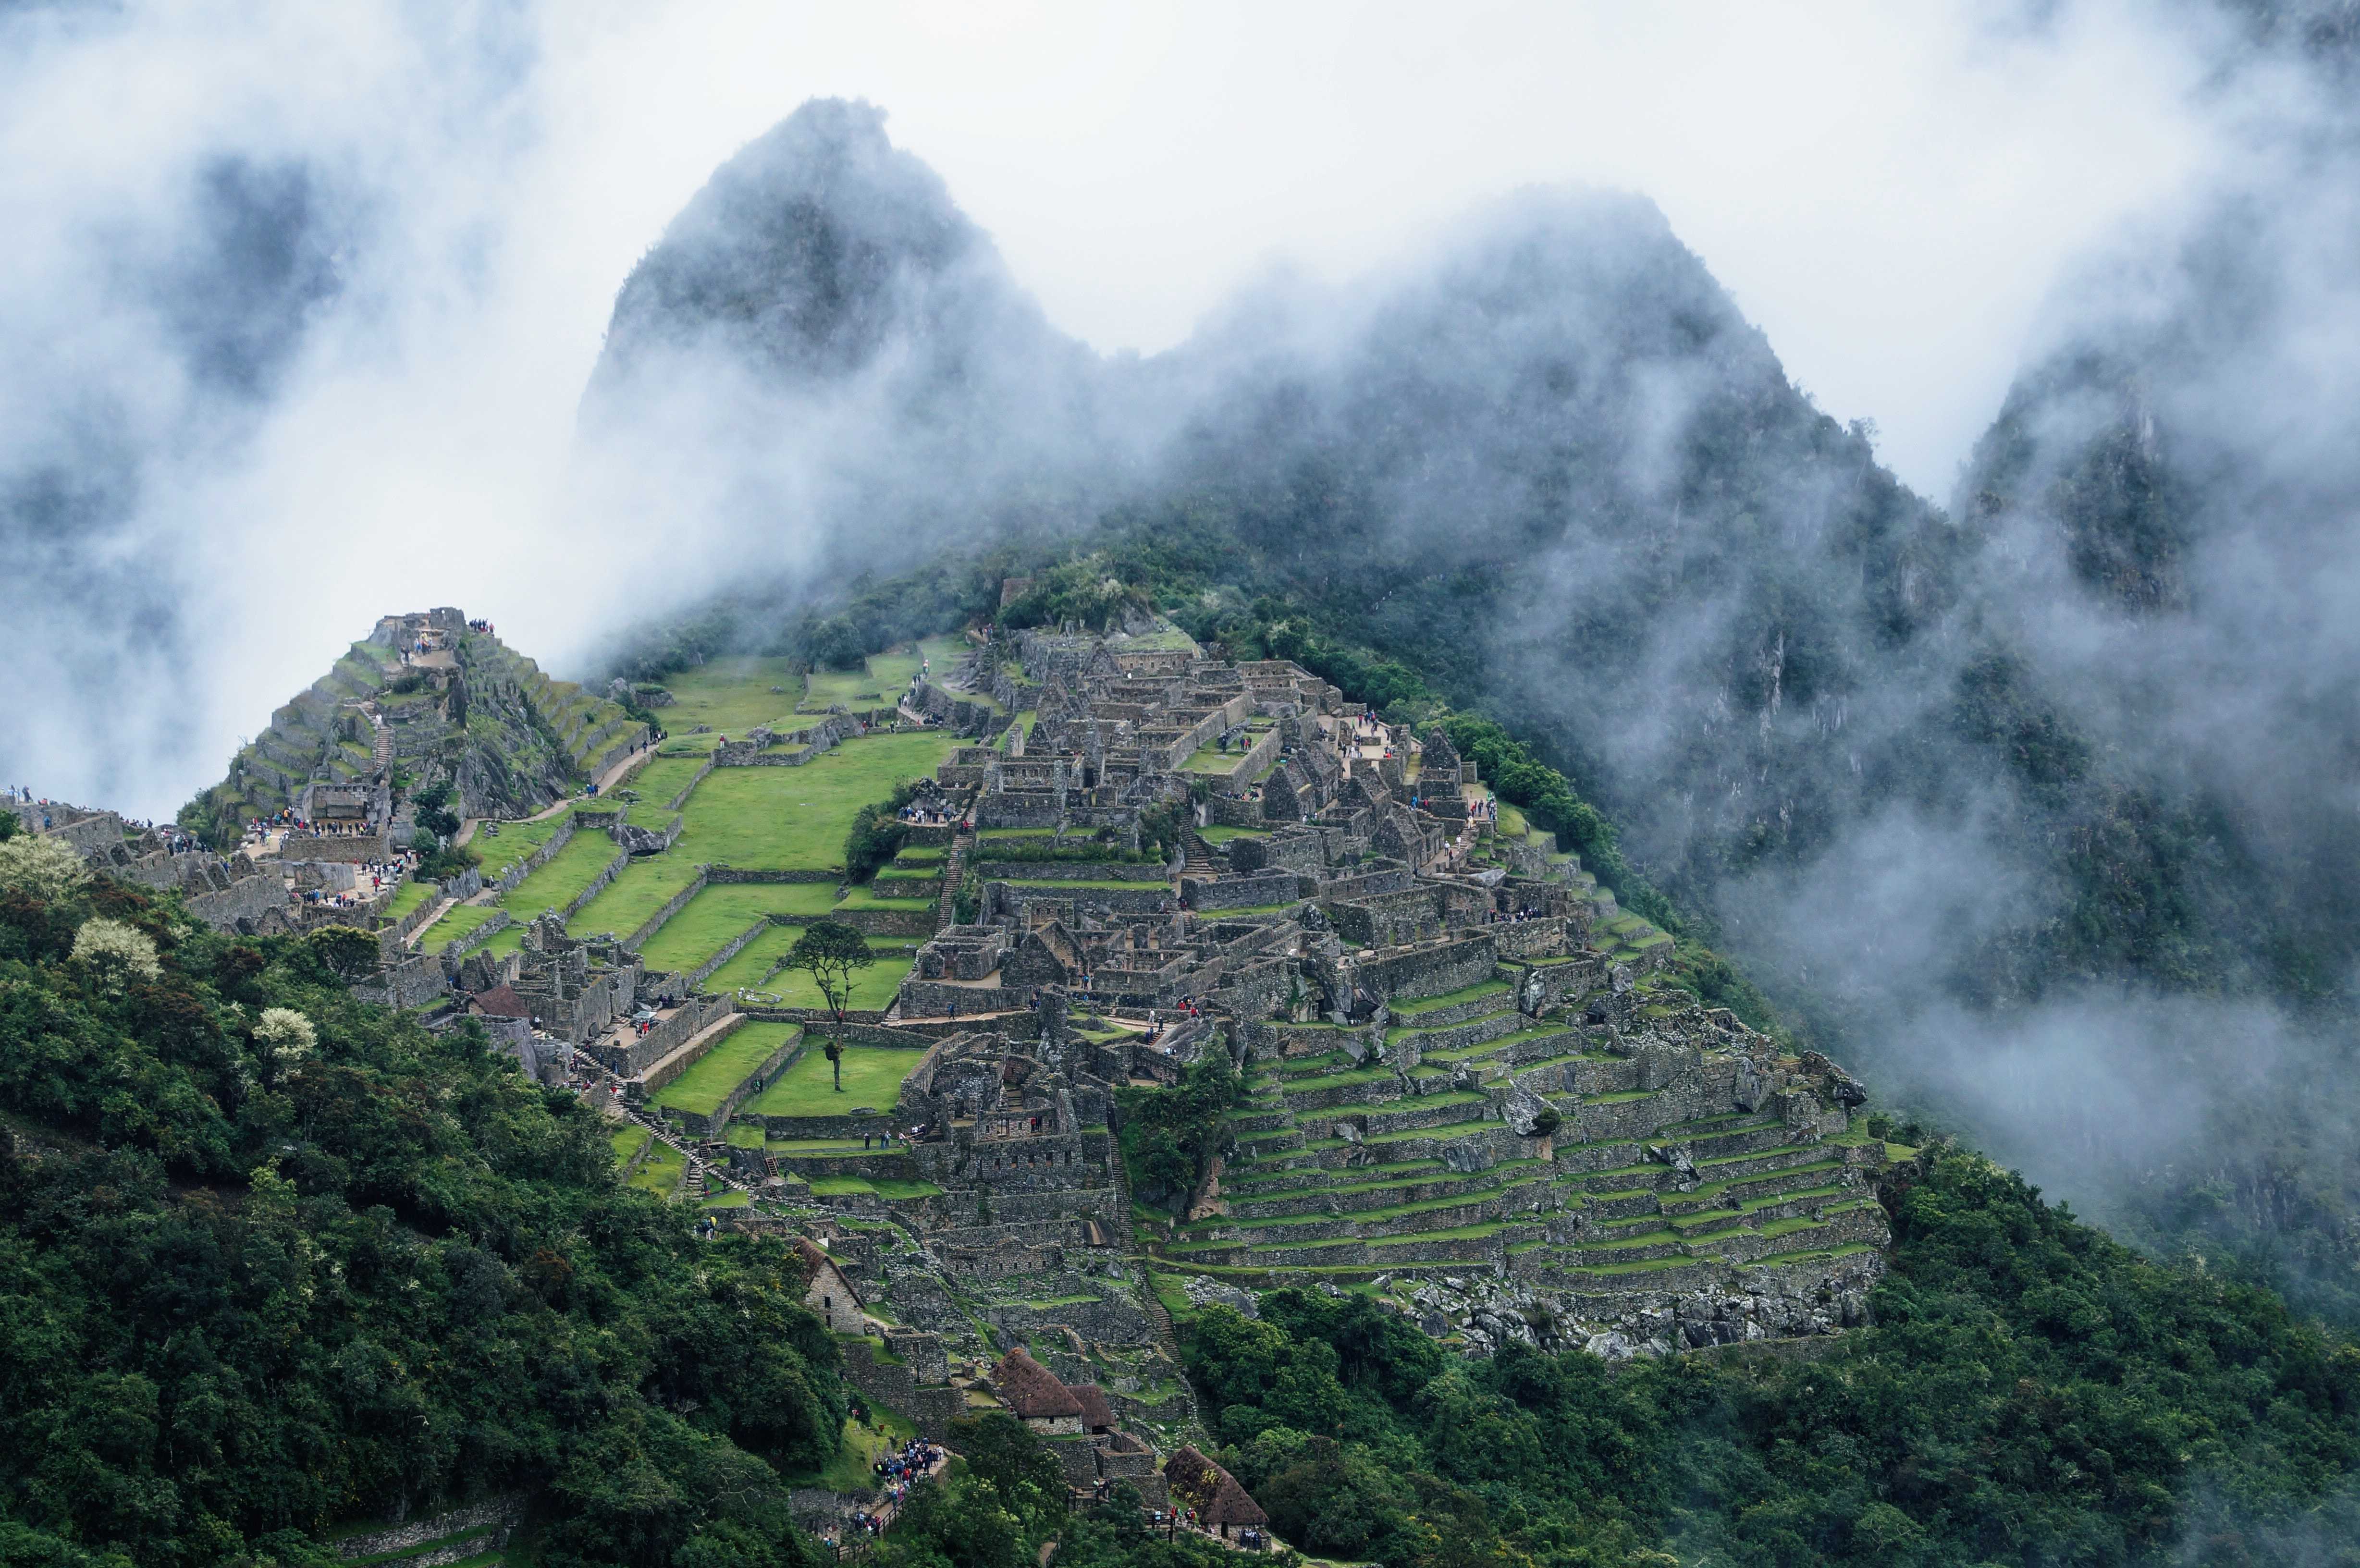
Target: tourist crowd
288	820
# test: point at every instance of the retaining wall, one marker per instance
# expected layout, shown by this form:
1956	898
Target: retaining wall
709	1124
473	940
598	883
538	858
645	1057
737	944
655	922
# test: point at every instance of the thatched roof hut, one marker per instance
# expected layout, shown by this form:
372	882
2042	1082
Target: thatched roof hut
1031	1390
1097	1414
1220	1503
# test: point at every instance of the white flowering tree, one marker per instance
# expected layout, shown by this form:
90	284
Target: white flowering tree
41	867
115	954
285	1035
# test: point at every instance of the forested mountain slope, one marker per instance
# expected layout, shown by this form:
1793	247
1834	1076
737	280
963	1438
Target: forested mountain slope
273	1261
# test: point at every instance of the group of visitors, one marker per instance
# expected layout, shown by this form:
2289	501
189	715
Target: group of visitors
1513	916
908	1463
1185	1010
21	801
370	880
926	816
288	820
483	627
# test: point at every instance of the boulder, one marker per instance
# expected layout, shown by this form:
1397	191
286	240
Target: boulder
1527	1114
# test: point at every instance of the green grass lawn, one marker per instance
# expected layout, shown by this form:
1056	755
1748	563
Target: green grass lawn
882	1186
627	1143
795	817
718	913
870	898
885	676
733	695
408	897
661	1172
872	1076
849	1470
753	961
561	881
663	776
634	897
459	921
872	988
1228	835
508	939
704	1087
1219	763
514	841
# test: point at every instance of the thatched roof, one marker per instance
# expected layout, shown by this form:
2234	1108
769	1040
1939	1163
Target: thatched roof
1030	1389
1097	1414
816	1262
1211	1490
1232	1506
500	1002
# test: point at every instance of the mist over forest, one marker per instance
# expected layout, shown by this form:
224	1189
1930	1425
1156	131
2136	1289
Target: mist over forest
2037	798
2030	799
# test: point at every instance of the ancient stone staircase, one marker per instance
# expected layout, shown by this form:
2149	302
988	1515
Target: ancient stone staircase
1345	1169
1199	858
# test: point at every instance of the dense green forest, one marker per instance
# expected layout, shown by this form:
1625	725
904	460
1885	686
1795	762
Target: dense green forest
272	1261
2032	1393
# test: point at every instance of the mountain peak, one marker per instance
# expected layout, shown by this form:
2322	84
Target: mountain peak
803	246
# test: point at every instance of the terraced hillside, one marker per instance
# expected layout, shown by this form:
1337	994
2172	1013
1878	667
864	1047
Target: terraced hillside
1389	1154
323	731
508	736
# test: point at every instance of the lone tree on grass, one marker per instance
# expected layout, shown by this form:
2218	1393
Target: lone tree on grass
829	952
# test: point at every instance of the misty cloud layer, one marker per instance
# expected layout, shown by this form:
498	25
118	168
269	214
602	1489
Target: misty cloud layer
2038	804
1884	742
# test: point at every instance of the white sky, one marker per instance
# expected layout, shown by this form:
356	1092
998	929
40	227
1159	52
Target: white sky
1889	191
